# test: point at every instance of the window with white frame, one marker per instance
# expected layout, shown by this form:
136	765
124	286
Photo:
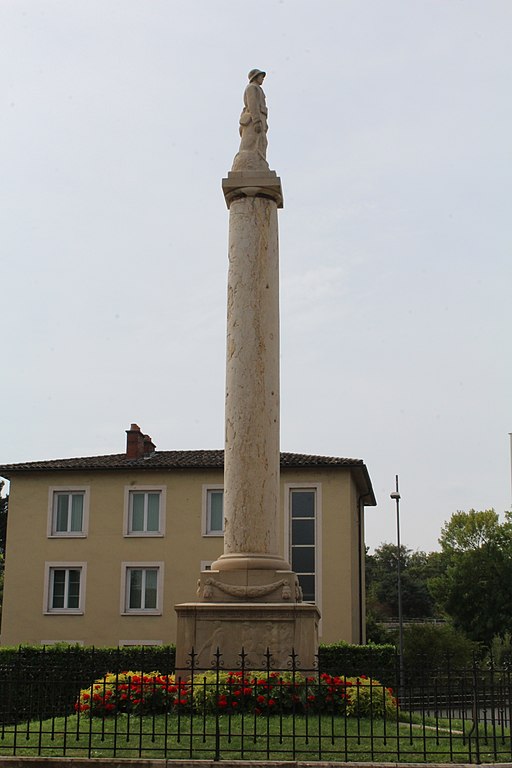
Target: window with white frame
142	588
303	539
144	511
64	588
68	512
213	510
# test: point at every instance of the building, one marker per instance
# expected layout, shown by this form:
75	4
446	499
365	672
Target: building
101	548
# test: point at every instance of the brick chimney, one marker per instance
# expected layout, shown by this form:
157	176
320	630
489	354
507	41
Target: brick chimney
134	442
137	444
149	445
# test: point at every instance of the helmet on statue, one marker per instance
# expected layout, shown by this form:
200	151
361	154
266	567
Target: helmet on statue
253	74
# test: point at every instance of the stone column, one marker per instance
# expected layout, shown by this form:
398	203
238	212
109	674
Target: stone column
251	458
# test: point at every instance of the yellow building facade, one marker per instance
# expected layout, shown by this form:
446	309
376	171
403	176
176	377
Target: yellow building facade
100	549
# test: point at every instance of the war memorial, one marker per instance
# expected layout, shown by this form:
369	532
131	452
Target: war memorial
250	600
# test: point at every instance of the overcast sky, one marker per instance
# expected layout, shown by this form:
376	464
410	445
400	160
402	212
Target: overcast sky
390	126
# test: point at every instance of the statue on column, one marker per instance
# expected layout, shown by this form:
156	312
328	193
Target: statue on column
252	154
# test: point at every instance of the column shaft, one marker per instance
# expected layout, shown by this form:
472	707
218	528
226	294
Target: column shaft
251	474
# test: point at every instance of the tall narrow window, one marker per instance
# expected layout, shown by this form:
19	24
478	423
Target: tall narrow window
303	539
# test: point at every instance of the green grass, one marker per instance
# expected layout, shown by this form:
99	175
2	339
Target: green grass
245	737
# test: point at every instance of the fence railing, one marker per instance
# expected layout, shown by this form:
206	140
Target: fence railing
438	715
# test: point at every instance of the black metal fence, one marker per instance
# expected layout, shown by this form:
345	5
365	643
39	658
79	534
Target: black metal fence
443	714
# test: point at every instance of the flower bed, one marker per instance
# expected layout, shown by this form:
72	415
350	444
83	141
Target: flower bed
233	692
132	692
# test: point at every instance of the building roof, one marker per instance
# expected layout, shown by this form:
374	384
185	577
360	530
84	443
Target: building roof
186	460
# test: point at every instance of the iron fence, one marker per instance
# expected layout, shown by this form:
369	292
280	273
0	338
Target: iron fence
447	715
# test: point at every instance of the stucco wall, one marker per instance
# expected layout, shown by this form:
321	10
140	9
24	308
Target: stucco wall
181	549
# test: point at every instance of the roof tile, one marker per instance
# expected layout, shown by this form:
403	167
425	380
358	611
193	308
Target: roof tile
167	460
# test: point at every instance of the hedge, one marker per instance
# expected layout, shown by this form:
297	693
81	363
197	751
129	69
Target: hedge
47	680
375	661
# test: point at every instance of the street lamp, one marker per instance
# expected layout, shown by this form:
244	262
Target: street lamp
396	496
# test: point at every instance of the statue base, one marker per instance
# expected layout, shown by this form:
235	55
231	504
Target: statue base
251	631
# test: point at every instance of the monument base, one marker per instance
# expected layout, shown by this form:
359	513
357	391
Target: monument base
230	627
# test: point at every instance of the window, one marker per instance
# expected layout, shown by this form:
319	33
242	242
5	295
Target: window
64	587
68	512
213	510
142	588
144	511
303	539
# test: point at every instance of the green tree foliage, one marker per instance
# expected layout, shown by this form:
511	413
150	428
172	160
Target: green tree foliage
475	585
500	651
467	531
429	645
416	569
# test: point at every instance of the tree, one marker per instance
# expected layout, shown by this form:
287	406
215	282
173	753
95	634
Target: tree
416	568
466	531
429	645
475	587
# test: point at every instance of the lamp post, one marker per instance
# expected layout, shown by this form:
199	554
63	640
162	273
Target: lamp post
396	496
510	436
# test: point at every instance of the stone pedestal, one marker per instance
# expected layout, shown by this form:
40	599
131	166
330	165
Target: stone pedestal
231	627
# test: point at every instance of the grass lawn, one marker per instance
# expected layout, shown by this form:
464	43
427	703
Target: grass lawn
248	737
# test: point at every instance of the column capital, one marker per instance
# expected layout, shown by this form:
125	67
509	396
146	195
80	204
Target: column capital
252	184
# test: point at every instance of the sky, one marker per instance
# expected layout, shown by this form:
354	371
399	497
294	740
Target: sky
389	125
